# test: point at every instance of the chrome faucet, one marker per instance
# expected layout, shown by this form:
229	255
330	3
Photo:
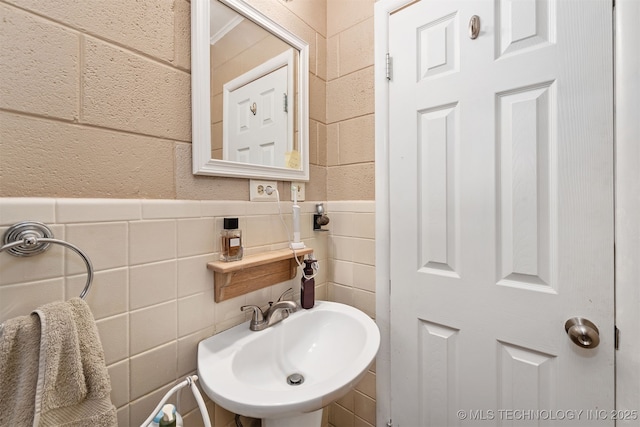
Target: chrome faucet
276	312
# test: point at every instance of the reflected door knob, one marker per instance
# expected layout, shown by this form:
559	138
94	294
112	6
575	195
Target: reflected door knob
474	27
582	332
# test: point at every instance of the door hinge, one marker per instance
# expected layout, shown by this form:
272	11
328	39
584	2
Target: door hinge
616	337
389	66
285	103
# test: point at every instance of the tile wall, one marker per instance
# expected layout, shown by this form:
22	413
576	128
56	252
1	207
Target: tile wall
351	280
152	295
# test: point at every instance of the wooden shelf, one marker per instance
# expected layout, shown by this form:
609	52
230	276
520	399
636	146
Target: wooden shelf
253	272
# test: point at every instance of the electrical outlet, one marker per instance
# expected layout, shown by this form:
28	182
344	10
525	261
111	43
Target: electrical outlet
300	188
258	191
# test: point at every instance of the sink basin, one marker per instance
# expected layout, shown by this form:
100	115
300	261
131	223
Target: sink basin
330	346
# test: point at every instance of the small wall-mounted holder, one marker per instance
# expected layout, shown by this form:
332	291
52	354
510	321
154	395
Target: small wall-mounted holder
320	218
253	272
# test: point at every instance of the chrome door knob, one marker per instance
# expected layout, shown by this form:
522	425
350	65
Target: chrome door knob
582	332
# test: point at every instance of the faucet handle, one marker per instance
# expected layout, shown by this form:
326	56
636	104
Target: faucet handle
281	297
257	320
257	311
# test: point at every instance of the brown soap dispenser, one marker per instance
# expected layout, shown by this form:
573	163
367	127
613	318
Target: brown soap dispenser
308	285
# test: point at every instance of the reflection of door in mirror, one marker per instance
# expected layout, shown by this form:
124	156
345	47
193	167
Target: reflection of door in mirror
255	121
241	51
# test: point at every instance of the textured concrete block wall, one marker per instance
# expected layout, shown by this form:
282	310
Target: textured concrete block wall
350	100
95	99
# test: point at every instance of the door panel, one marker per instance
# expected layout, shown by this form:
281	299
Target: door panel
439	226
501	210
526	226
257	125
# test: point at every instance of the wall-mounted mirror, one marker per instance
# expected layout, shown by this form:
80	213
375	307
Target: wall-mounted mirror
250	90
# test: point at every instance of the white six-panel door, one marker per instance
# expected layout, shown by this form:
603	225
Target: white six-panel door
257	128
501	218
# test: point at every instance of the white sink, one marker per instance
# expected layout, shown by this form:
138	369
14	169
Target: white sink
330	345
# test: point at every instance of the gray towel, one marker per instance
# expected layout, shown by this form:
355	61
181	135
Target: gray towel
71	384
19	349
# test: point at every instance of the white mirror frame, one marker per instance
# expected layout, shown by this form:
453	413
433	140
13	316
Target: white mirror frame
203	164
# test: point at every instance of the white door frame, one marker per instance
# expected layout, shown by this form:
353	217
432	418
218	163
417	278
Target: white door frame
627	200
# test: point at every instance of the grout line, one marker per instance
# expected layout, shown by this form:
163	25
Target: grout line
350	73
91	126
359	116
85	32
81	71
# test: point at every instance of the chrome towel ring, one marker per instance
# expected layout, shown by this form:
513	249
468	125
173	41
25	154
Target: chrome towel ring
29	238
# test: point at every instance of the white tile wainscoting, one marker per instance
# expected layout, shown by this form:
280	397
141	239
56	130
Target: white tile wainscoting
152	295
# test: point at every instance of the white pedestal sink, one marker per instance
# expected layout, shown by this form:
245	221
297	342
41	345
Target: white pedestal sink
330	346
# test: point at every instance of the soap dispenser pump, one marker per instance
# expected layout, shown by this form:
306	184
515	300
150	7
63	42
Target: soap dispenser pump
308	285
168	416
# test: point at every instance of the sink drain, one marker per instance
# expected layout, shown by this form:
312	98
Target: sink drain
295	379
